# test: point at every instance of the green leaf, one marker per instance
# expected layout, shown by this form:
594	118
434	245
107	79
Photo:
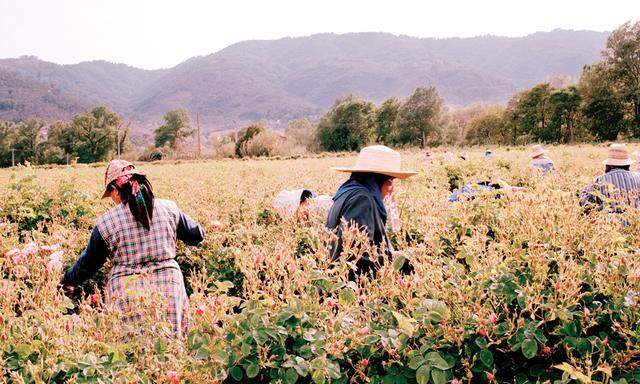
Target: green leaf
540	336
423	374
437	361
398	263
291	376
252	370
416	362
529	348
347	297
438	310
406	324
318	377
438	376
486	357
236	373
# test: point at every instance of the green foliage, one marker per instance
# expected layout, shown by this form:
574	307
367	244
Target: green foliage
419	117
386	117
176	128
564	105
622	57
348	126
93	135
32	207
489	127
245	135
602	108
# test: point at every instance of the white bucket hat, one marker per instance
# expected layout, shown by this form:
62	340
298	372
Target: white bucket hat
618	156
537	150
378	159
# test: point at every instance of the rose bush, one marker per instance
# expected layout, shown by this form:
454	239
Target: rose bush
526	289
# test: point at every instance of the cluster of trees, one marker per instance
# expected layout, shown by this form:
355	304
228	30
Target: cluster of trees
353	122
604	105
90	137
94	136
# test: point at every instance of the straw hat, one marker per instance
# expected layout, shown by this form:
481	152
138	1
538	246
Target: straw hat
618	156
378	159
115	169
537	150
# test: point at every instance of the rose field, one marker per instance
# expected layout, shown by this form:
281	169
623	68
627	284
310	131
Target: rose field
522	289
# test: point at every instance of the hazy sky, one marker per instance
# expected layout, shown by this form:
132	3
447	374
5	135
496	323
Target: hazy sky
159	33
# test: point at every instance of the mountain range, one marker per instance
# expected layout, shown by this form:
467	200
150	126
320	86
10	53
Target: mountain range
278	80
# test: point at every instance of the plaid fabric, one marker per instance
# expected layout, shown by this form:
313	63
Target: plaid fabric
134	295
617	188
144	261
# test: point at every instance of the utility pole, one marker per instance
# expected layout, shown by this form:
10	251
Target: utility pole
198	132
13	157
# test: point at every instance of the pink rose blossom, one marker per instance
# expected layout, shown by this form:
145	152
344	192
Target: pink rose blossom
30	249
55	261
14	255
173	377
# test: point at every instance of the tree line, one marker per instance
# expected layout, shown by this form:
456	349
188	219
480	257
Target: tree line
603	105
94	136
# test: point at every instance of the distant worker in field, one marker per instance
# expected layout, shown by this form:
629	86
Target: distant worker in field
488	153
499	189
540	160
618	187
139	235
360	202
299	204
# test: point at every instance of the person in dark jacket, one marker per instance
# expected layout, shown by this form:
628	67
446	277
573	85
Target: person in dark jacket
139	235
360	202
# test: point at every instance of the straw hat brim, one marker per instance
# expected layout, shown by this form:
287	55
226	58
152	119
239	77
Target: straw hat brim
618	162
396	174
533	155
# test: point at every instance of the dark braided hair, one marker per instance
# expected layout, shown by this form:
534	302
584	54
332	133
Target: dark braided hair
137	193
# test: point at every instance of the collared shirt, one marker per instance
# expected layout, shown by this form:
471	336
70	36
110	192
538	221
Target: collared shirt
616	188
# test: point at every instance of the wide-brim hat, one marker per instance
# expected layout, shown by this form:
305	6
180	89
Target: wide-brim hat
117	168
378	159
618	156
537	150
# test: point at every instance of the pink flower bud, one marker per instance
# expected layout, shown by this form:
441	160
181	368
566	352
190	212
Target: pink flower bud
493	318
173	377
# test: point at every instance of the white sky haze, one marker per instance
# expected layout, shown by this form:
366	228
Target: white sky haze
159	34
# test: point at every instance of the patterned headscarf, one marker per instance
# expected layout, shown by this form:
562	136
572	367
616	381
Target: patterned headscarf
121	172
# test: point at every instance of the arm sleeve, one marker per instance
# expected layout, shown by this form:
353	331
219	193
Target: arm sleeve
89	262
588	196
190	232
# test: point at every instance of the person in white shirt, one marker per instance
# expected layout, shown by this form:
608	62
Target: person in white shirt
298	203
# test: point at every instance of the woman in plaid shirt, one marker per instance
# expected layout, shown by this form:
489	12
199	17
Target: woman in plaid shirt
139	235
